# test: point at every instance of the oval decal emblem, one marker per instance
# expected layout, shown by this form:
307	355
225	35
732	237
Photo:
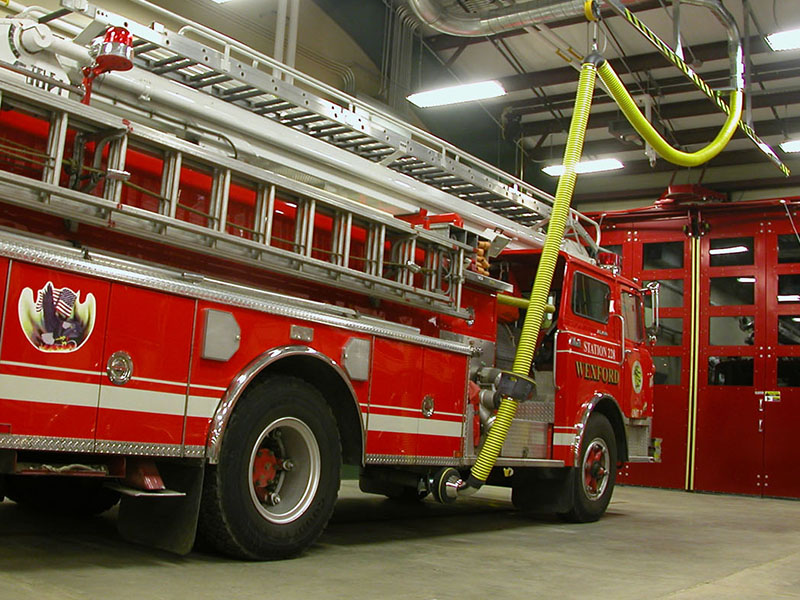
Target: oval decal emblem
637	377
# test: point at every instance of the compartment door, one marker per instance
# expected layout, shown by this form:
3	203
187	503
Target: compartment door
151	333
51	356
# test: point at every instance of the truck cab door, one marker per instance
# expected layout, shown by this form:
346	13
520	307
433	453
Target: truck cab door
636	360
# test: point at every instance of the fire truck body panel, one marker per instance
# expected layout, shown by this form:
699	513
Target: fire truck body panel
160	408
393	415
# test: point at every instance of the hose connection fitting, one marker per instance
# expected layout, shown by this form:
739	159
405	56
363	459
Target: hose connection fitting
447	485
517	387
594	58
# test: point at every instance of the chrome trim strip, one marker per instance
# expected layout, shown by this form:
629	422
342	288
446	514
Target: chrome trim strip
47	443
87	262
436	461
529	462
242	381
194	451
137	449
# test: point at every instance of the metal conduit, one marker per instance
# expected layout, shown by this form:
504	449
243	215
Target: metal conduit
498	20
490	22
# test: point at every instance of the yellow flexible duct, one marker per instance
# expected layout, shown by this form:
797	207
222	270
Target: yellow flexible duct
544	275
684	159
521	303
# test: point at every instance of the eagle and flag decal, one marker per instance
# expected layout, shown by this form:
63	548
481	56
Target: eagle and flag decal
56	320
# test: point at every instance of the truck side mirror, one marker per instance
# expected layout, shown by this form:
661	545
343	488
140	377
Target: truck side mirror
650	296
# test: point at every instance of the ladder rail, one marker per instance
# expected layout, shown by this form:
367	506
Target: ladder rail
104	208
347	111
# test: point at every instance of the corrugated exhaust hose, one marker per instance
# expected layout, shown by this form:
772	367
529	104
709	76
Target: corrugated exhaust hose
643	127
448	484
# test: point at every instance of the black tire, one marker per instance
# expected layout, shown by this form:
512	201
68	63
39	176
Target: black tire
63	495
279	418
592	480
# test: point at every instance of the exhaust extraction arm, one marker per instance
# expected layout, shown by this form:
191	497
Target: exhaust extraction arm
449	484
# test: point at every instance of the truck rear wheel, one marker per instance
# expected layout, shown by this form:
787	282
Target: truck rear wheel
275	486
592	481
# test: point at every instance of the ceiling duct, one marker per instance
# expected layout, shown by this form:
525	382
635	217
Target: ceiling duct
448	17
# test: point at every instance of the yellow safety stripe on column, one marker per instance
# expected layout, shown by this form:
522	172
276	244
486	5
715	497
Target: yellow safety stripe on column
694	361
676	60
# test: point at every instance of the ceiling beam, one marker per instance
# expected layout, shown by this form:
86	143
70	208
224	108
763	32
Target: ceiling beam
726	159
635	63
675	110
686	137
719	186
663	87
441	42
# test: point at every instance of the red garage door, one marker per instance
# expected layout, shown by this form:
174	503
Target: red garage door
749	370
660	252
727	386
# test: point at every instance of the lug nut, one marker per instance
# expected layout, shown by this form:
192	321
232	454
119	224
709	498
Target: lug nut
273	499
287	465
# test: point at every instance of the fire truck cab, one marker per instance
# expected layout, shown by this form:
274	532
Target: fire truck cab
219	286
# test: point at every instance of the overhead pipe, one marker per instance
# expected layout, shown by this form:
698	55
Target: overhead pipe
533	12
734	39
492	22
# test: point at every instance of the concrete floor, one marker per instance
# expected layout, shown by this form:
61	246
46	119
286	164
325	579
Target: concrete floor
651	544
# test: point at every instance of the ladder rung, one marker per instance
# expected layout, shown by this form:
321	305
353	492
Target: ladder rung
302	120
331	133
273	108
173	66
202	76
142	47
243	96
238	89
215	80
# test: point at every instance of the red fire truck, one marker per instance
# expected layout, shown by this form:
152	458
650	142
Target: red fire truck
223	280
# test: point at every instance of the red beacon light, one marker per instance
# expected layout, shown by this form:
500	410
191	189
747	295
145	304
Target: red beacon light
116	50
114	53
609	260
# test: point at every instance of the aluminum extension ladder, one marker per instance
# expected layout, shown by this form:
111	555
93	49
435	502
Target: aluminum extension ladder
255	82
383	265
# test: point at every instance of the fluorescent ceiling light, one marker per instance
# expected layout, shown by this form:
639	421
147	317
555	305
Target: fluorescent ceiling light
730	250
796	319
458	93
784	40
589	166
220	1
791	146
788	297
746	279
